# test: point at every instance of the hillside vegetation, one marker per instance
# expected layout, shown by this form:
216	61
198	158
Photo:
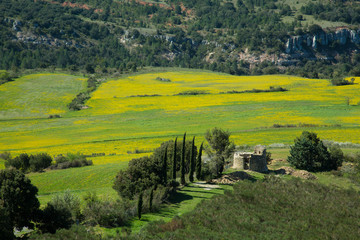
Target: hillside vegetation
237	37
269	209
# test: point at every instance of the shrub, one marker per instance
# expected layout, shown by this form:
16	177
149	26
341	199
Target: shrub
68	201
107	213
342	81
78	232
40	161
4	77
71	160
55	217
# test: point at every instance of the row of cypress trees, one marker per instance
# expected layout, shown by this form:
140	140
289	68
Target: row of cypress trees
195	163
195	167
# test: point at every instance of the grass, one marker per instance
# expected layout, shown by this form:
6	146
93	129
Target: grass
97	179
38	95
184	201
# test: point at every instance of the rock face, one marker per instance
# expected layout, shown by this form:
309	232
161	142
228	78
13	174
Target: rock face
343	36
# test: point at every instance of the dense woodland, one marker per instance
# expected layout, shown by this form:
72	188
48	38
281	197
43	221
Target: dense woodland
126	35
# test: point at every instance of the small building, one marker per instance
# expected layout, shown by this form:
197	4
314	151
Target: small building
255	161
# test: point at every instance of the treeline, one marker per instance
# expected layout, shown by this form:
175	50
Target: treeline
38	162
92	83
334	11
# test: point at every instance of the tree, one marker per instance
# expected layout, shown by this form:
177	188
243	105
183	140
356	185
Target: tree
21	162
140	204
142	173
218	140
174	162
151	198
337	157
198	164
309	153
192	161
182	167
221	149
178	9
6	230
90	68
164	167
18	198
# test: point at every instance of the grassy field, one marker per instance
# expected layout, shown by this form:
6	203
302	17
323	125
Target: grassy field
38	95
119	121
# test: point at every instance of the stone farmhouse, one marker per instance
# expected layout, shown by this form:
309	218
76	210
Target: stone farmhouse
255	161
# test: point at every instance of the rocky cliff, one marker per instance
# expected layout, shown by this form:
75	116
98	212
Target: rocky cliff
308	41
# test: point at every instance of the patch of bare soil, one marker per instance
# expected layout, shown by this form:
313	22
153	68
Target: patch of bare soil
232	178
296	173
276	161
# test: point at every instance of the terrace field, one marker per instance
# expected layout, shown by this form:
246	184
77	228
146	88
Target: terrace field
119	120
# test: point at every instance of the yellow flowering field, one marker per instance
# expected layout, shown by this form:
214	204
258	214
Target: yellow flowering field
120	124
119	121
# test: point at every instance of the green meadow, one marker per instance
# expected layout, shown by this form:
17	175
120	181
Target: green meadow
120	121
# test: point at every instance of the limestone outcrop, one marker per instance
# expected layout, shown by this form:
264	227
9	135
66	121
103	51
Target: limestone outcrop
342	35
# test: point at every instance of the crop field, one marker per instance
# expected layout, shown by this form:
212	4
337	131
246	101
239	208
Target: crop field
130	116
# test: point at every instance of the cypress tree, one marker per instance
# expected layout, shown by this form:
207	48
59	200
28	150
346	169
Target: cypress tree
151	199
174	162
192	161
182	167
198	163
140	204
164	167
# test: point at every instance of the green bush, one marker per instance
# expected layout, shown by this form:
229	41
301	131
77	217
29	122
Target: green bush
309	153
68	201
55	217
39	162
78	232
107	213
70	160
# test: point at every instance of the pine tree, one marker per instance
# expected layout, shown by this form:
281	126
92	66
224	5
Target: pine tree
140	204
174	162
192	161
198	163
164	167
182	167
151	198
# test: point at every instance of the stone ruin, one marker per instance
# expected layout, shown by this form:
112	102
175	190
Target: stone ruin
255	161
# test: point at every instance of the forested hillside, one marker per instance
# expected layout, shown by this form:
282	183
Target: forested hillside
311	39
